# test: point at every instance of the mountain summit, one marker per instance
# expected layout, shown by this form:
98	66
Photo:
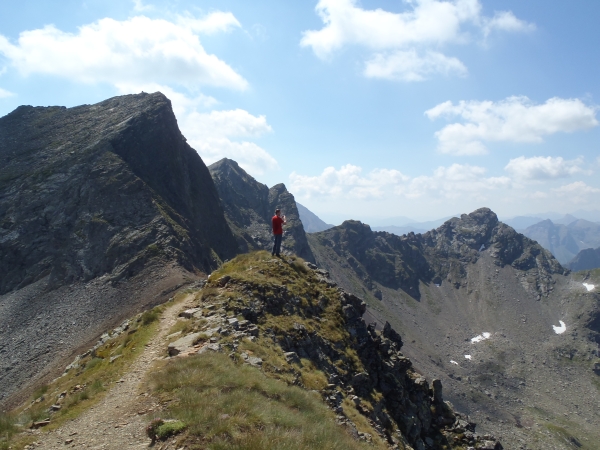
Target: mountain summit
92	197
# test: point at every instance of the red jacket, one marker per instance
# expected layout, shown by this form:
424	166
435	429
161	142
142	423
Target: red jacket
277	222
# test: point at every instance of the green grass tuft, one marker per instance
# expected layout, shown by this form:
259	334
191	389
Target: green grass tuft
150	316
168	429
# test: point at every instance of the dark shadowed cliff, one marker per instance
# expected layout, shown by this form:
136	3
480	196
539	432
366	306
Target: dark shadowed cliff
249	206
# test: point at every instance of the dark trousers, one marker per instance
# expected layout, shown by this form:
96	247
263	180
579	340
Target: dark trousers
277	244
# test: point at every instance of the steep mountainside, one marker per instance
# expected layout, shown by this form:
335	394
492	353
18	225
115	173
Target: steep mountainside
288	318
250	205
565	241
312	223
278	352
476	303
585	260
102	208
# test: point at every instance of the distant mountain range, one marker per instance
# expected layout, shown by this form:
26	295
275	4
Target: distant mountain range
564	235
565	241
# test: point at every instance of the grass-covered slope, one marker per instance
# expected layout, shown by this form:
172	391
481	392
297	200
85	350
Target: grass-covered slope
281	358
268	354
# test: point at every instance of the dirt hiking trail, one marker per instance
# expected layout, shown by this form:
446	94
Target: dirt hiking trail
119	420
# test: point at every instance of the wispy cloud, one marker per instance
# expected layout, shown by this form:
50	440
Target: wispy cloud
577	192
5	94
543	168
410	66
349	182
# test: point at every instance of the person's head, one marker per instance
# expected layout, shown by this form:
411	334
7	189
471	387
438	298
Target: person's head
277	212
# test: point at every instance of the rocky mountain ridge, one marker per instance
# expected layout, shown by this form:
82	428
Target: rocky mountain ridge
250	205
476	303
120	211
104	209
586	259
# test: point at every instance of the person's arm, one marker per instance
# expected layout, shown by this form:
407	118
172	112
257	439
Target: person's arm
284	222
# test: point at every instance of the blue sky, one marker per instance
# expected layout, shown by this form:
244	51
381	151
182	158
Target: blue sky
364	109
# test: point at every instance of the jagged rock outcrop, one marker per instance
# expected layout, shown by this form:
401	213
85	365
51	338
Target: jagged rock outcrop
250	205
91	198
307	328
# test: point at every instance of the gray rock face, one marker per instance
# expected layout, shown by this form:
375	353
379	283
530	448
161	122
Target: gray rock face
104	210
100	189
183	344
402	262
250	205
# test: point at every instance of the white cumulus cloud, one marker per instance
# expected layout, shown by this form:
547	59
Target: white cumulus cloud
543	168
515	119
405	43
137	50
347	182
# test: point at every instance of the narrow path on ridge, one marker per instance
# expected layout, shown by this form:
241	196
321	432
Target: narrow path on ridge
119	420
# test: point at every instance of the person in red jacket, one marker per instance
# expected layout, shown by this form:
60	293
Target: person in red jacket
277	222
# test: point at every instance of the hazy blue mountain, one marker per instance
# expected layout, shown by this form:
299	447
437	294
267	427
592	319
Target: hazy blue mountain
312	223
396	221
567	219
565	241
522	222
592	216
